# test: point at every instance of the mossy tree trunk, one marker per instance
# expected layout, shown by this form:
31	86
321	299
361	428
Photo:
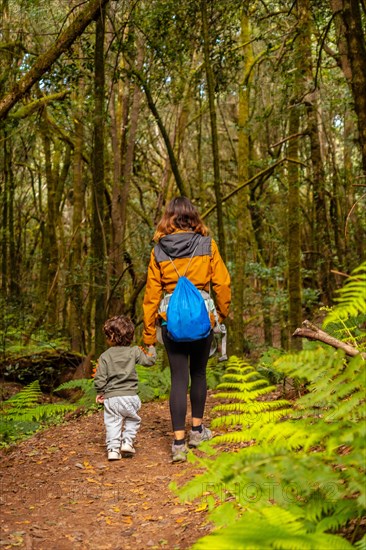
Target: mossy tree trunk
50	251
99	245
352	58
244	229
77	275
214	133
56	167
10	258
128	107
5	192
321	232
294	232
293	193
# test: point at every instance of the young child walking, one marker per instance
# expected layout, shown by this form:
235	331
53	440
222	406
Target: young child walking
116	384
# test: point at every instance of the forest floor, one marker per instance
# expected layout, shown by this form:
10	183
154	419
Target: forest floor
59	492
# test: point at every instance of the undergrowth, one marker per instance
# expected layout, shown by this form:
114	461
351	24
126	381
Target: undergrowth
290	476
23	414
296	476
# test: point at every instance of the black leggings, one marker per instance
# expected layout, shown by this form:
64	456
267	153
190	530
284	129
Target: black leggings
187	358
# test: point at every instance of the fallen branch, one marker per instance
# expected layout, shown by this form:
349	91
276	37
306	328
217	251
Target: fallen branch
312	332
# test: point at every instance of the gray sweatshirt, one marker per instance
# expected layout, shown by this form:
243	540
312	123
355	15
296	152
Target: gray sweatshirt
116	373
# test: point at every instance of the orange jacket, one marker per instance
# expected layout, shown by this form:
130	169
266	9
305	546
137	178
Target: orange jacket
205	267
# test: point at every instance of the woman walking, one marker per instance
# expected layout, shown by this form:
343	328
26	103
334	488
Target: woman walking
184	248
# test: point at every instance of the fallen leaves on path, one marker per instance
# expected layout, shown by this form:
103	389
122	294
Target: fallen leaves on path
59	491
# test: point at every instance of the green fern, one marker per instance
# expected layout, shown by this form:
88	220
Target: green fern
22	414
306	461
27	398
361	544
154	382
246	390
24	406
273	528
349	314
88	393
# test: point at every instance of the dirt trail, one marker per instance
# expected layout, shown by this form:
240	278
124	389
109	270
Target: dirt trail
59	492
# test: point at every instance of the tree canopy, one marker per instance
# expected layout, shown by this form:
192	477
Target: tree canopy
255	110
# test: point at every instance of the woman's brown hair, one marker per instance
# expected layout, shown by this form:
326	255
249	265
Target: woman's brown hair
180	214
119	330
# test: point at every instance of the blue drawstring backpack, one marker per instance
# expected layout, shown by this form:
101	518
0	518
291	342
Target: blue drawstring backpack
187	315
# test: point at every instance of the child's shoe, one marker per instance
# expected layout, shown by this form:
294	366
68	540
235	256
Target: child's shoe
114	454
179	453
196	437
127	449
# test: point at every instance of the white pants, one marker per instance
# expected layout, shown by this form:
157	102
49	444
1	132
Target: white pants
120	413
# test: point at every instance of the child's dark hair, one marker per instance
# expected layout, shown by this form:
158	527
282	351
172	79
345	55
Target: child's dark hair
119	330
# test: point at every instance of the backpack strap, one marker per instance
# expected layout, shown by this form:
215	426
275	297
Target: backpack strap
189	263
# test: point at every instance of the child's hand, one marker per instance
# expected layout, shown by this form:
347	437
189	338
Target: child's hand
99	399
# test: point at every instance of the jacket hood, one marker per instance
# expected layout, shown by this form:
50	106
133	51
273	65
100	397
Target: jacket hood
182	245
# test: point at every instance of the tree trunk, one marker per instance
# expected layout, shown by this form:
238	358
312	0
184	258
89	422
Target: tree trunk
119	112
244	228
201	188
352	51
76	321
98	237
5	213
214	134
5	64
310	97
294	233
47	307
121	188
50	256
14	267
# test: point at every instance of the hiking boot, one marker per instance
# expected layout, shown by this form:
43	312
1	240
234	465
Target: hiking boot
114	454
179	453
127	449
196	438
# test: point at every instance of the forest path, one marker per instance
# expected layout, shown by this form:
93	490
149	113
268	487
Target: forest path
59	492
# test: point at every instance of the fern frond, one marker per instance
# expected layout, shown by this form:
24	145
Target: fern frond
84	384
361	544
338	393
238	365
40	413
248	420
317	366
342	512
351	298
243	386
232	437
28	397
308	461
273	528
253	407
247	394
239	376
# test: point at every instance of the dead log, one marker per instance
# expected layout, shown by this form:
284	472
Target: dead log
50	367
312	332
